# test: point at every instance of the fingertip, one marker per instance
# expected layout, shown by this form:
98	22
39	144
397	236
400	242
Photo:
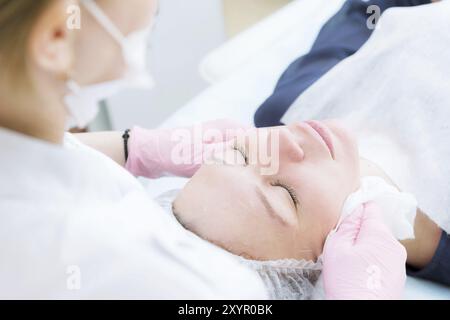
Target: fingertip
353	218
371	209
404	253
371	213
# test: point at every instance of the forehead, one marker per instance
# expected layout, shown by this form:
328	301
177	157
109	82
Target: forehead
214	206
221	187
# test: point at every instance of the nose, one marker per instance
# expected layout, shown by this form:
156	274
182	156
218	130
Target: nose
289	146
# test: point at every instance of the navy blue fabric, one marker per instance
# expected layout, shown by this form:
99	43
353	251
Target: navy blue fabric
438	269
338	39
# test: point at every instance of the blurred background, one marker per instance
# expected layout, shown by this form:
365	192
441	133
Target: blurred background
185	32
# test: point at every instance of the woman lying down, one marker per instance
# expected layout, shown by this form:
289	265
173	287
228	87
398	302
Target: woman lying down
399	115
272	196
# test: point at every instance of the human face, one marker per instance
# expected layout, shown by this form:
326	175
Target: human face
286	214
98	56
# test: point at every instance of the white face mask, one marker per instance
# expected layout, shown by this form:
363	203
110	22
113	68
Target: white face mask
83	102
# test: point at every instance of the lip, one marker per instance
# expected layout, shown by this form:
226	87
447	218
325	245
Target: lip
324	133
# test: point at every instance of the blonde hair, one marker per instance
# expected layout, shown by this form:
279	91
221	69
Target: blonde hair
17	18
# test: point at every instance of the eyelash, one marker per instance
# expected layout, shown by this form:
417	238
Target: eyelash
289	189
277	183
242	152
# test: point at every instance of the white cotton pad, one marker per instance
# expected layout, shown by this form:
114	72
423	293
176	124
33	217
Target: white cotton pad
398	208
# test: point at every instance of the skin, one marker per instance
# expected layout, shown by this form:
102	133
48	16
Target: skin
55	54
221	202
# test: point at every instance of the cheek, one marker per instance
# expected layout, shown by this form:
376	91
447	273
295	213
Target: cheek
321	202
330	215
349	153
98	57
325	212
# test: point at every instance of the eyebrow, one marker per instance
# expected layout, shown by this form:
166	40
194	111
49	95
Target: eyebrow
269	208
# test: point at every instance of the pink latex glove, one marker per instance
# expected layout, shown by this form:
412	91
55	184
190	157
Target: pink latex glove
363	260
176	152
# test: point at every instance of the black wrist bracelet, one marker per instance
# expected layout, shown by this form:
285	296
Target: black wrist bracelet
126	136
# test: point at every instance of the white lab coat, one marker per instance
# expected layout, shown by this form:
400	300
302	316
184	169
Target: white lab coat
74	224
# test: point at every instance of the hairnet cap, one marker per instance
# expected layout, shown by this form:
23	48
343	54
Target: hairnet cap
288	279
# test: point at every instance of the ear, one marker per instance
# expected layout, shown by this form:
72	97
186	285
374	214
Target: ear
51	42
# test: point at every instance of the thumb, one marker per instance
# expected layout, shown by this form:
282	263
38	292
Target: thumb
349	229
372	225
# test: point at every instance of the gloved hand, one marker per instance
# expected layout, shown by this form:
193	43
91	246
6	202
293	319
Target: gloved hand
363	260
177	152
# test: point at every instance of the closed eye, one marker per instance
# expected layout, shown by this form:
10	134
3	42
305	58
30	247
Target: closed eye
290	190
242	152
